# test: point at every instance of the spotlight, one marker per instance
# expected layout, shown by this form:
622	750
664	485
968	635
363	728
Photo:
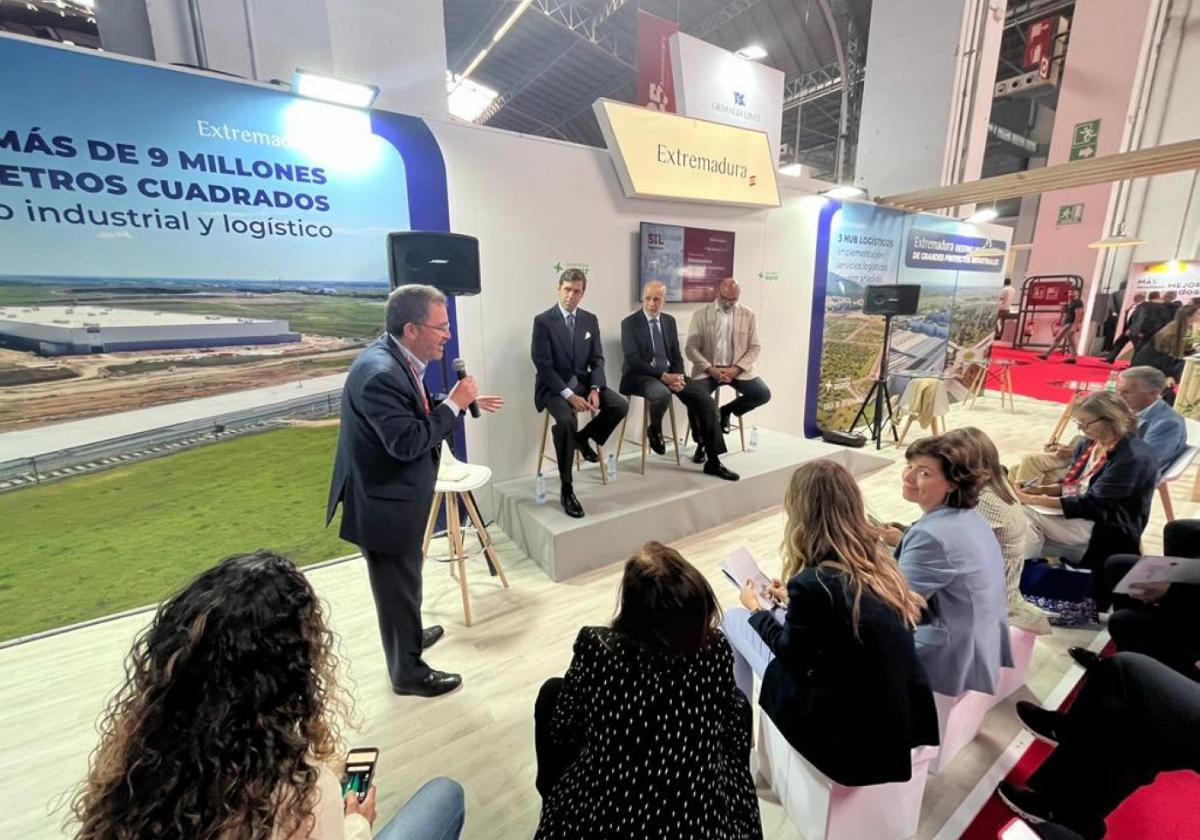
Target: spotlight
337	91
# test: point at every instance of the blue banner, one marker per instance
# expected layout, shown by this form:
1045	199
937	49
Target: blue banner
118	169
950	251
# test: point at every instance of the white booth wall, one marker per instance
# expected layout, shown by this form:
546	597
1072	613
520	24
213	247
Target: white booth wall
534	203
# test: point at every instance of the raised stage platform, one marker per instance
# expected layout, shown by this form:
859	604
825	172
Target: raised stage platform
665	504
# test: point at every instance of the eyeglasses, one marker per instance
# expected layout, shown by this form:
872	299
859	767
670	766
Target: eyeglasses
1083	426
444	329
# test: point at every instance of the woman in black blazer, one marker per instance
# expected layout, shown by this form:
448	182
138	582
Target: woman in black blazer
1108	491
647	735
840	676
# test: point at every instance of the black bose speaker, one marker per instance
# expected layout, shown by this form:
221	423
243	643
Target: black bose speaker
891	300
447	261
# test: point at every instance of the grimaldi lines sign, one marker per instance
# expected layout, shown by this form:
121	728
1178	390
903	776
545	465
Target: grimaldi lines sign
665	156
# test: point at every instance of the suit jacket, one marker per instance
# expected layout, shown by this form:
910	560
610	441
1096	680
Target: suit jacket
387	454
1117	500
853	707
1164	431
638	350
701	344
951	557
560	364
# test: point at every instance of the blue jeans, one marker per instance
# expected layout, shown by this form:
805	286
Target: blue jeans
435	812
751	656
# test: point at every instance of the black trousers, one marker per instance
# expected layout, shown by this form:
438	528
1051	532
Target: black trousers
1168	631
612	409
1134	718
552	759
751	394
701	411
396	587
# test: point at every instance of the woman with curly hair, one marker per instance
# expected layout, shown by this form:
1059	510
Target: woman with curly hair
227	722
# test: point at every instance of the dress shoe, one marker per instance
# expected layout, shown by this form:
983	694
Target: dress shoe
1043	723
1085	657
430	636
433	684
700	455
657	444
1070	361
717	469
585	449
1028	804
726	422
1044	358
571	506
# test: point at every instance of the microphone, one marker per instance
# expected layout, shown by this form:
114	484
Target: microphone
460	370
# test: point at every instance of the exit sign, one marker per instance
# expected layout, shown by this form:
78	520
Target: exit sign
1085	140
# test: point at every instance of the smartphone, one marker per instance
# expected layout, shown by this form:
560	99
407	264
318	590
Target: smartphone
1017	829
360	771
1030	484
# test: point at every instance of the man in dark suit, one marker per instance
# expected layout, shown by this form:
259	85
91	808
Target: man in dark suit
653	369
389	444
569	360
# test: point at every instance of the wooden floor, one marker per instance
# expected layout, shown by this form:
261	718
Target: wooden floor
52	689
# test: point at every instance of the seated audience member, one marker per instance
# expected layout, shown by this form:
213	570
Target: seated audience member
951	558
653	369
569	359
840	676
1000	509
1134	719
1166	349
227	724
1104	498
722	343
1161	426
1161	621
647	735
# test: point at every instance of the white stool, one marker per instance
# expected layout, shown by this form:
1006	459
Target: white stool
455	482
821	808
1013	678
959	720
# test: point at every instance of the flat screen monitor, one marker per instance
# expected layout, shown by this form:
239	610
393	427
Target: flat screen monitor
690	262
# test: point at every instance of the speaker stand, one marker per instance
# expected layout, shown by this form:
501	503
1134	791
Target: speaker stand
879	394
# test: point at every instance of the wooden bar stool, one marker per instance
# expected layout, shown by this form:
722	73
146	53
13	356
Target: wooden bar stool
734	422
542	456
1003	379
455	483
918	395
645	441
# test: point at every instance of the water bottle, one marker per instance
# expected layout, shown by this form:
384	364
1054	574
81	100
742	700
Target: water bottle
752	444
611	466
539	489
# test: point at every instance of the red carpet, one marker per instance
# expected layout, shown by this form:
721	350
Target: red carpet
1031	377
1168	809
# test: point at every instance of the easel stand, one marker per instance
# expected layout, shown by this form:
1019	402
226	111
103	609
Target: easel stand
879	394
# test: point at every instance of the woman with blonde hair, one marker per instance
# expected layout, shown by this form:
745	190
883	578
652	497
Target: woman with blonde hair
840	676
1001	510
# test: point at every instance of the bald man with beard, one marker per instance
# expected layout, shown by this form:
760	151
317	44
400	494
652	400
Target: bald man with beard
653	369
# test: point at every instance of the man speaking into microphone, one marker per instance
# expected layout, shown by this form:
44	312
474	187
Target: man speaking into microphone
388	449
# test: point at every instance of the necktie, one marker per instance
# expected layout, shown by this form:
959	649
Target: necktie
656	340
571	331
420	387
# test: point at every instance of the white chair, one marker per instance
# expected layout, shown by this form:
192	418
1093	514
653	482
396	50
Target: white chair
822	809
1179	467
455	483
959	720
1011	679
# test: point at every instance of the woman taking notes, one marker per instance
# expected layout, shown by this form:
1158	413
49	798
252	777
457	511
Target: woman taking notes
840	677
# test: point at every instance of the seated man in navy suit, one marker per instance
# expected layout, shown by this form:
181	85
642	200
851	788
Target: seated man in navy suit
653	369
570	377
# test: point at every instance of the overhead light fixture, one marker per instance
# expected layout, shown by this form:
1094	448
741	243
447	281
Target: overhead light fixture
337	91
793	169
980	217
844	191
753	52
1118	239
468	99
504	27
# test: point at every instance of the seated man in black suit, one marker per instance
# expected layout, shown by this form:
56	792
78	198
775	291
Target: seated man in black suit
653	369
570	377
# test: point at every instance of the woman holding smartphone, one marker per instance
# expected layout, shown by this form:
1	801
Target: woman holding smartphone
228	721
840	676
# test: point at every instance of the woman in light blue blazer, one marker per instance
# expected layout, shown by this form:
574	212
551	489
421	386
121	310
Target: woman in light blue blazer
951	557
